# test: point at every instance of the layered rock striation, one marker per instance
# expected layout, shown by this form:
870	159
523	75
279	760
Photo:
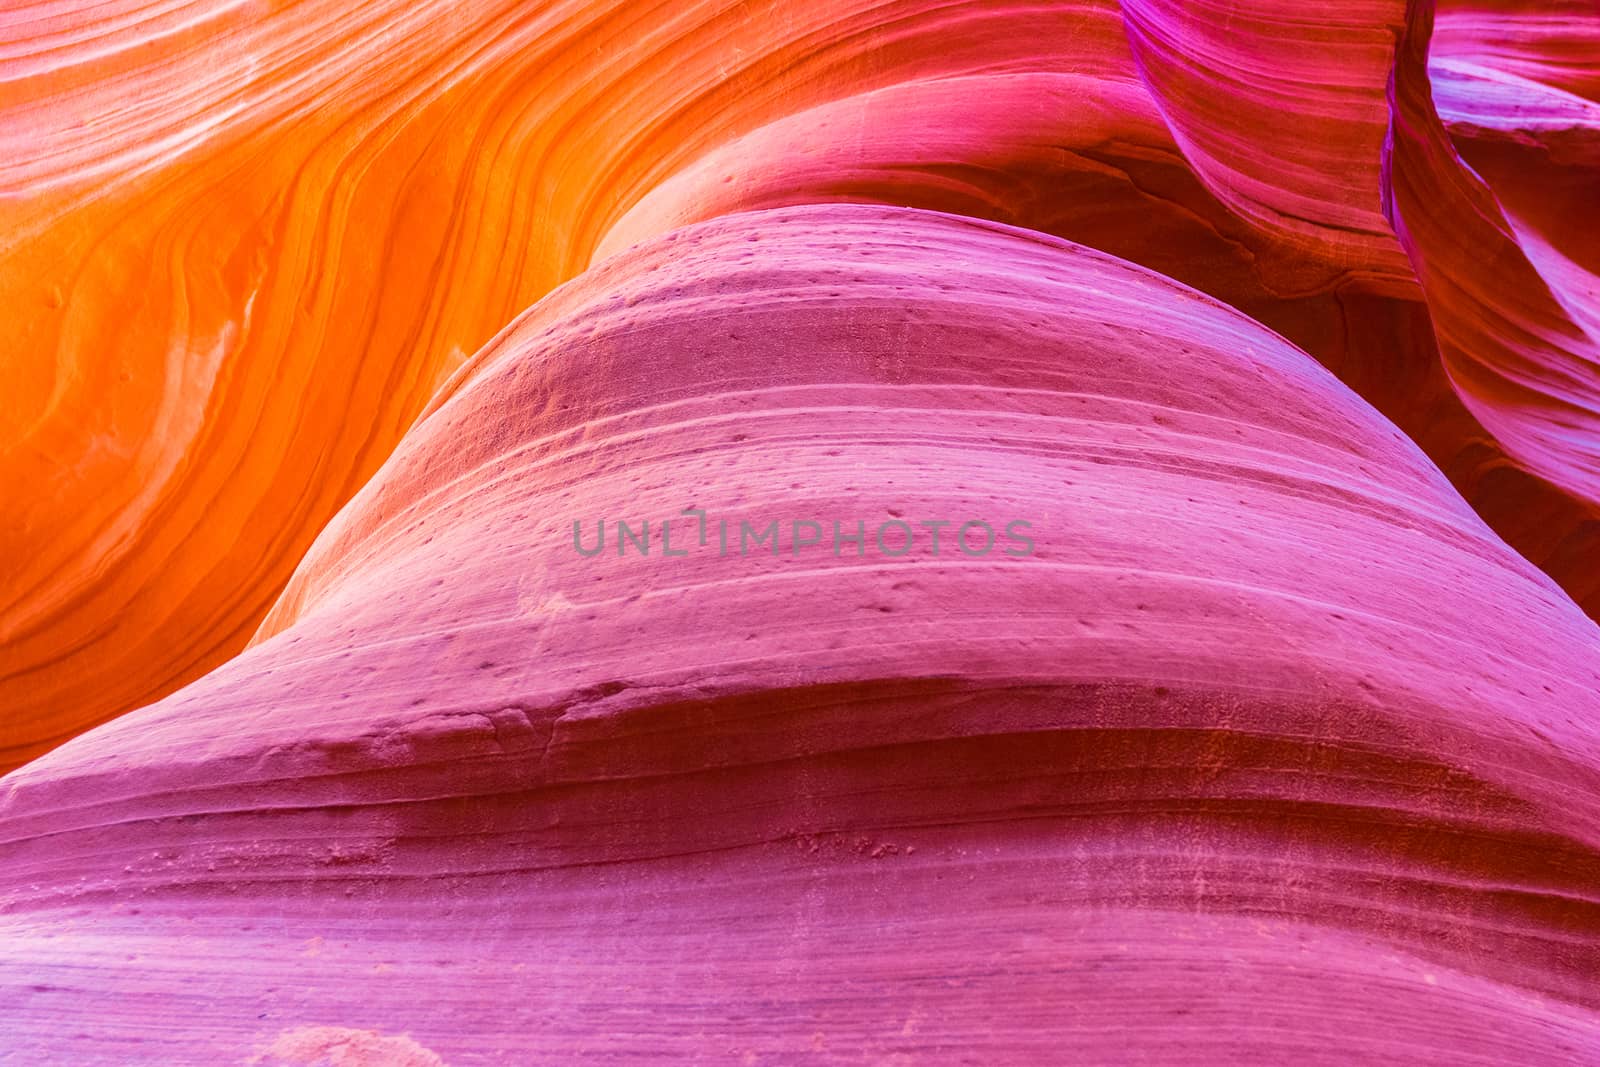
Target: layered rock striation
1092	502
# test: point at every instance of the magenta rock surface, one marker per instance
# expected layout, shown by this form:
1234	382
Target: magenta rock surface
1271	752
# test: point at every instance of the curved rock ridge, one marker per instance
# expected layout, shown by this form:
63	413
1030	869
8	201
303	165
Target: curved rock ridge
1495	175
1282	114
1318	787
245	242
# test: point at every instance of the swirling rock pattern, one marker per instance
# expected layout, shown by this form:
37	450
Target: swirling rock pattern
1281	744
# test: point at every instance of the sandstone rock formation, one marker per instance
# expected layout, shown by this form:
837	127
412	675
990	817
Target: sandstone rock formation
1281	743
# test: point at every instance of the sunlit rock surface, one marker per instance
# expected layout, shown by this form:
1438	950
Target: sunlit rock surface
1278	327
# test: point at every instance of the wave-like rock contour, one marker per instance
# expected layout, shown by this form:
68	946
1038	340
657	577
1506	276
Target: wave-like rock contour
1166	430
1173	785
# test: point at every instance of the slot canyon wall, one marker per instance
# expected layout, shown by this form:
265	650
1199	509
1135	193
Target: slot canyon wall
329	741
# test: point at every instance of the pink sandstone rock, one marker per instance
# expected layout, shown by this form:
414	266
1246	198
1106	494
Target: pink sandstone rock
1316	787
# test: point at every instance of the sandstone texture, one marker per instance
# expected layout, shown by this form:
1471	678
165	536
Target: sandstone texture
1170	431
